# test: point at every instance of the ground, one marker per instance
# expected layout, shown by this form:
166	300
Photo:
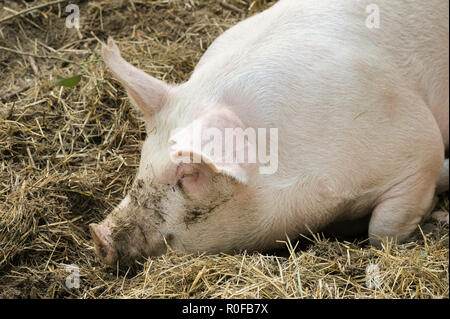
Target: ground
69	154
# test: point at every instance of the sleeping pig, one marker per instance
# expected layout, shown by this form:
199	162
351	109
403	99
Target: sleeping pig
305	117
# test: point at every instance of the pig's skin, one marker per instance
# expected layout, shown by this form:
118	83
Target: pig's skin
352	106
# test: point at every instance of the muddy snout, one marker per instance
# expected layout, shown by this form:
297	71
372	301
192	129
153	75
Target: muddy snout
104	249
125	240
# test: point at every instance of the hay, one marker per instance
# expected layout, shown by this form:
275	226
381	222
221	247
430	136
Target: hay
69	155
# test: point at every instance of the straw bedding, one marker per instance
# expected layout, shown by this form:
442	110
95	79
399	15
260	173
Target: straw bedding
69	155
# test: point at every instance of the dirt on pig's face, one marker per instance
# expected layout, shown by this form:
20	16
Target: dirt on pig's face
138	223
154	216
186	206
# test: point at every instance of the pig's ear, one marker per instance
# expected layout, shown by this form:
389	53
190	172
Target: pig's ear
205	141
145	91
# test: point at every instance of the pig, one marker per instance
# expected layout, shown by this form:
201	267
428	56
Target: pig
360	107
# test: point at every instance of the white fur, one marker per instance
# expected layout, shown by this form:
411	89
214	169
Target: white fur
352	106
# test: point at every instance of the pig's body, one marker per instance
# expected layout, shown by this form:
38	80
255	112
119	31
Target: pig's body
356	137
301	49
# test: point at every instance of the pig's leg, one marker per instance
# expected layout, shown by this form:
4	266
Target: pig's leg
441	216
401	209
442	184
441	187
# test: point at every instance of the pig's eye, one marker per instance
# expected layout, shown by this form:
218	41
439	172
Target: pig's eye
186	179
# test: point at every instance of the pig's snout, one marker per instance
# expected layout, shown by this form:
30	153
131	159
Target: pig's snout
102	242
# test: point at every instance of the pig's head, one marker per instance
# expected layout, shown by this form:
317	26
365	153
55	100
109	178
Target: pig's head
189	206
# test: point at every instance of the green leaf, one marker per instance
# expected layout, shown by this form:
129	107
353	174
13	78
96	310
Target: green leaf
69	82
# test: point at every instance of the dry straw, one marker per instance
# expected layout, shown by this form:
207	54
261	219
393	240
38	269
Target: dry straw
68	156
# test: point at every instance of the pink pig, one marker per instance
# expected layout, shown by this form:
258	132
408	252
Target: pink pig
360	109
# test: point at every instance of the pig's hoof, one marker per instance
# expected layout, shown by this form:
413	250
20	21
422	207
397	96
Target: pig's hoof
441	216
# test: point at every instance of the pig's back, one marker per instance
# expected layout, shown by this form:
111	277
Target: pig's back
297	36
416	34
342	95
